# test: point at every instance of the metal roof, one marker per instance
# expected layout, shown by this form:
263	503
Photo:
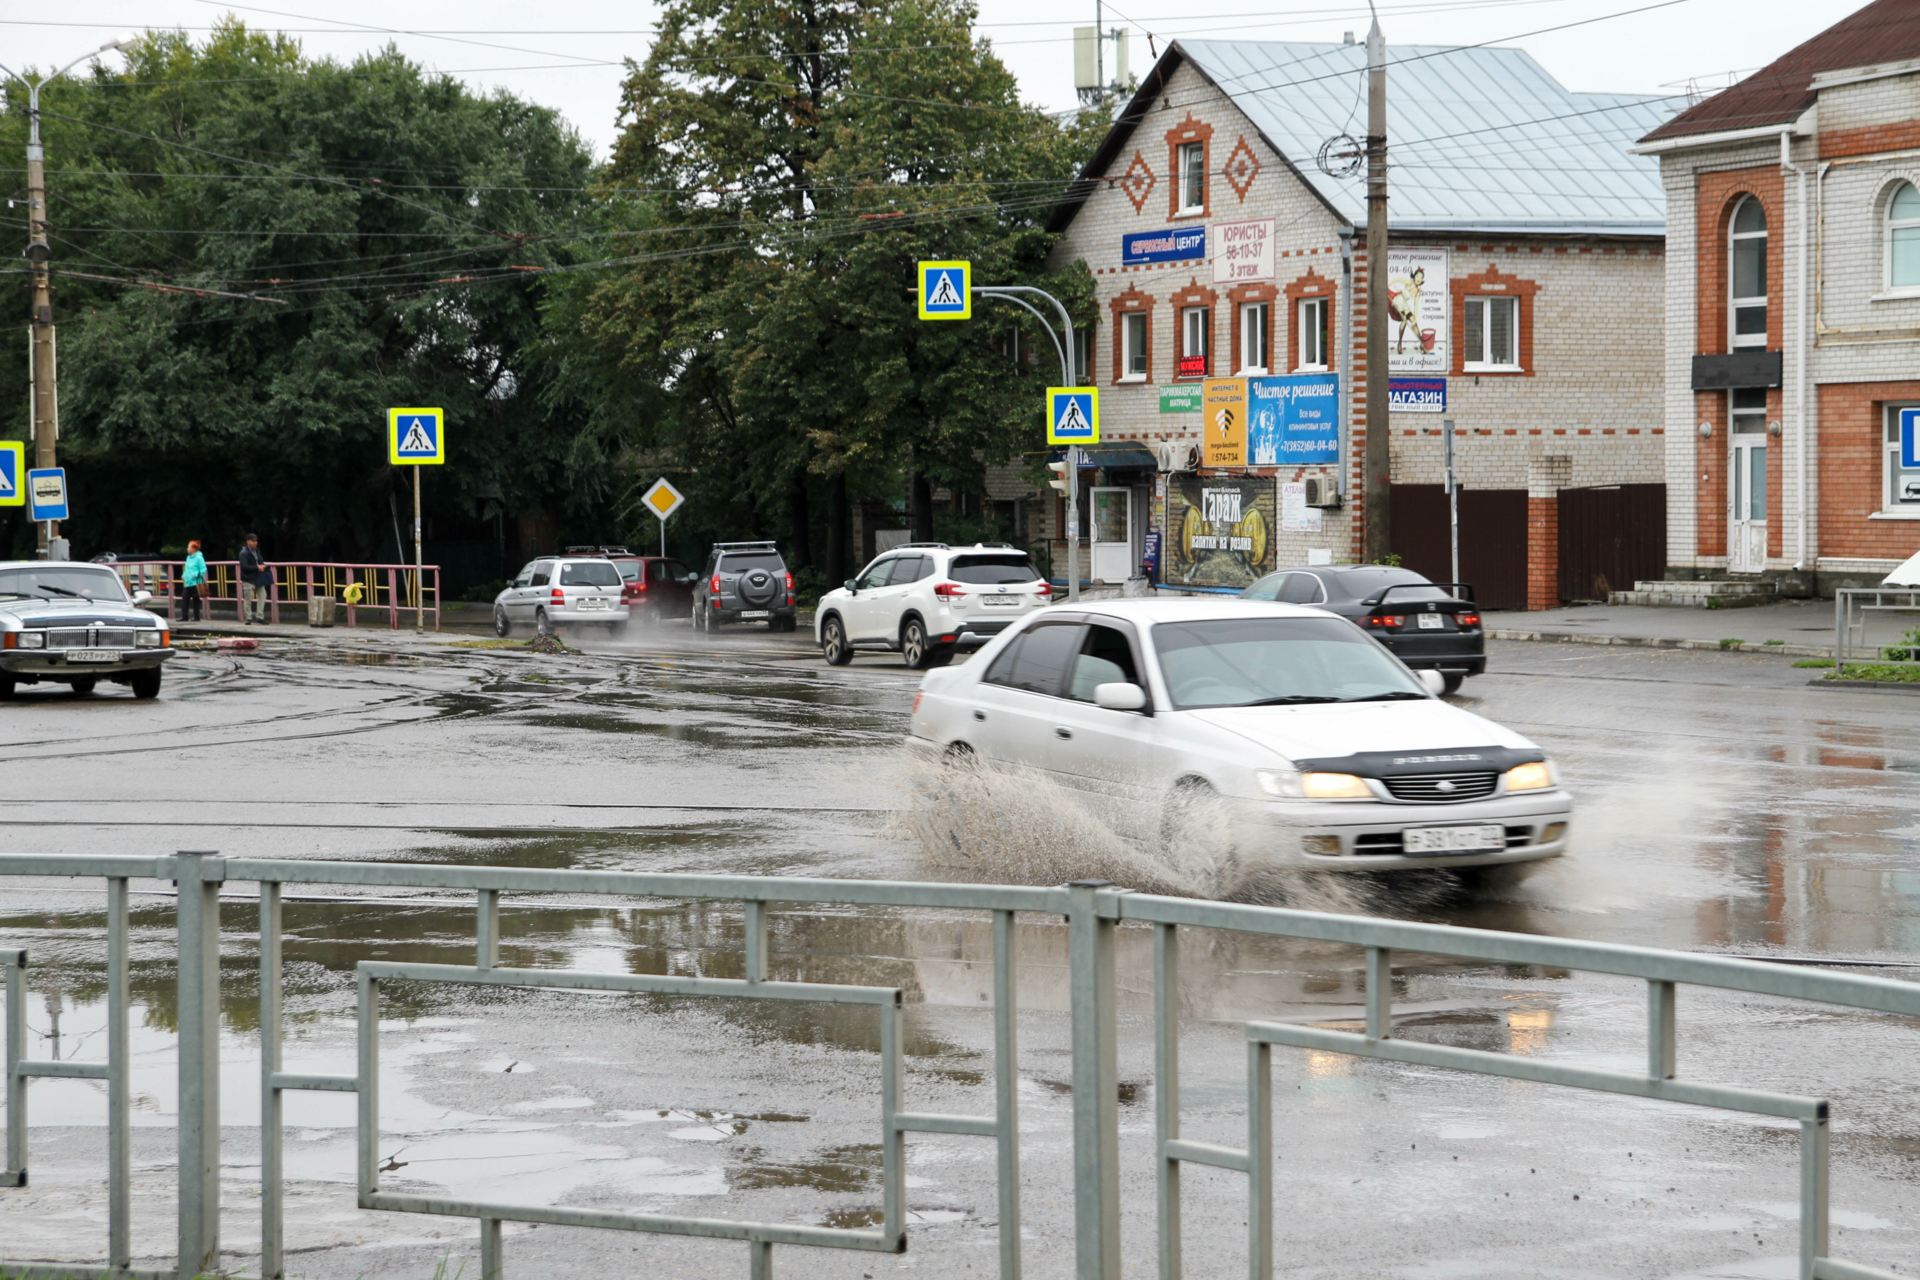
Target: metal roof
1478	139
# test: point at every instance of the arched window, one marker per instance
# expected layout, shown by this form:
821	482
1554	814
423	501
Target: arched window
1903	238
1747	275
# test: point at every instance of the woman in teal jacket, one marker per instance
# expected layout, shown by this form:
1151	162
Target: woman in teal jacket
193	579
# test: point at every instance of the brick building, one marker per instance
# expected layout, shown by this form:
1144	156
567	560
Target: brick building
1525	257
1793	314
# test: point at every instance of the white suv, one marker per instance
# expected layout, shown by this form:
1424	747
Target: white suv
927	599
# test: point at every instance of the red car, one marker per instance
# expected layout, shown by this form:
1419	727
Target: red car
656	587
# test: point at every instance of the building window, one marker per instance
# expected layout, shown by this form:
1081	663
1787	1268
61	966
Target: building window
1083	348
1133	347
1194	327
1492	335
1748	275
1253	338
1903	238
1903	483
1193	177
1313	333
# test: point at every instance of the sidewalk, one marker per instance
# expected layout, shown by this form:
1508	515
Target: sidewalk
1803	628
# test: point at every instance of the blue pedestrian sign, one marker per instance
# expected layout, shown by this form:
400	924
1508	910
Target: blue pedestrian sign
1909	444
946	291
416	437
13	473
1073	415
47	494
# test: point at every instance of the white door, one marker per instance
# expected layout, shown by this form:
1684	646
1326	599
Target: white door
1747	537
1112	535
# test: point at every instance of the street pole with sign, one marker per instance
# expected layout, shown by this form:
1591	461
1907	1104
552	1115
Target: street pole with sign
417	438
663	500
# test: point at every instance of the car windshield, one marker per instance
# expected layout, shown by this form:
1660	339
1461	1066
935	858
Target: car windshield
63	582
1364	584
993	571
1239	662
746	561
589	573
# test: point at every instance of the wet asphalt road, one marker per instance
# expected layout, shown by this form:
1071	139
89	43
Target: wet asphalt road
1724	806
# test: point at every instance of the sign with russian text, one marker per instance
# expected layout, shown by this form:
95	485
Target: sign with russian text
1175	244
1219	530
1225	425
1295	515
1293	421
1416	395
1417	316
1243	251
1180	399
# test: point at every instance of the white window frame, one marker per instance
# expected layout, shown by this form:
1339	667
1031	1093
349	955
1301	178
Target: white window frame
1256	328
1314	330
1743	341
1189	333
1890	463
1131	323
1481	361
1889	225
1193	166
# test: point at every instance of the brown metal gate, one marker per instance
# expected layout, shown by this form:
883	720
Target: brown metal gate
1493	539
1611	538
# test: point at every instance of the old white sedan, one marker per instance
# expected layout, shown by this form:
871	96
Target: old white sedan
1323	749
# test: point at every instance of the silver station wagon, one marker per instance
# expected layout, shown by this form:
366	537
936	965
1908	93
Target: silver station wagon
74	624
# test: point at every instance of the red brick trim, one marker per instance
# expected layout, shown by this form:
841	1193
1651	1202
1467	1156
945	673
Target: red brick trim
1852	451
1715	196
1190	130
1312	285
1543	553
1128	303
1263	292
1242	167
1195	295
1869	140
1491	283
1137	182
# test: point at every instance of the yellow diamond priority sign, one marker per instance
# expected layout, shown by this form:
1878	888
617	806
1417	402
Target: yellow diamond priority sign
662	499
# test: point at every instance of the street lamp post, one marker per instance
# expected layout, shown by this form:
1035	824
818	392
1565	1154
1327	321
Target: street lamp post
46	404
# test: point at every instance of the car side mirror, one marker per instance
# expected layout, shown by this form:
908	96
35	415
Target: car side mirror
850	587
141	597
1120	696
1434	682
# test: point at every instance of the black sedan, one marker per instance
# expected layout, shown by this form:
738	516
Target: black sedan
1425	623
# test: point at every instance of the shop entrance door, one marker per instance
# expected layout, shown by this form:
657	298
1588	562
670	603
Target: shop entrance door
1747	539
1112	535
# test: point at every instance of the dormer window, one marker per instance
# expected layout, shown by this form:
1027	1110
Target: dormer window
1747	276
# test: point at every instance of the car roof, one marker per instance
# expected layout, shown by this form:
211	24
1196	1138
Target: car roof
1182	609
58	564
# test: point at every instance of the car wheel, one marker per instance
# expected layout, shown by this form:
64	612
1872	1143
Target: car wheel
542	625
1454	680
713	619
145	682
833	643
83	686
1196	839
502	624
914	646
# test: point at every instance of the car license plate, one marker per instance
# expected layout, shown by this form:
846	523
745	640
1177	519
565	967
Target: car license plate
1428	840
93	655
593	602
756	613
1002	600
1431	621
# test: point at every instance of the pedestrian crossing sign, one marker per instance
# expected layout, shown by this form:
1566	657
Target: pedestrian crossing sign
13	470
946	291
416	437
1073	415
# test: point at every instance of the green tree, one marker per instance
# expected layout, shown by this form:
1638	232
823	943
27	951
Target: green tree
257	253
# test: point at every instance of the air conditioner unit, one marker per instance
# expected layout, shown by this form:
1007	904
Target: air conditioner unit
1179	455
1322	492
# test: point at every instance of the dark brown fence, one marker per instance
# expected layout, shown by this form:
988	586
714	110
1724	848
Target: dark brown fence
1493	539
1611	538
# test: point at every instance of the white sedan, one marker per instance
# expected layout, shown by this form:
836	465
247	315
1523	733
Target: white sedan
1321	747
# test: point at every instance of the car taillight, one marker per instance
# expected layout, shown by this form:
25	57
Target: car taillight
789	582
713	588
1467	619
559	596
1387	620
947	591
916	701
1044	589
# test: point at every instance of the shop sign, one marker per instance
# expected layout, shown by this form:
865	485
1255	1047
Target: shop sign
1416	395
1176	244
1219	530
1418	329
1243	251
1180	399
1293	421
1225	425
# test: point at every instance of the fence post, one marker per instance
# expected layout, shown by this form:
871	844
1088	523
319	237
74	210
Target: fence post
1096	1083
197	877
15	1172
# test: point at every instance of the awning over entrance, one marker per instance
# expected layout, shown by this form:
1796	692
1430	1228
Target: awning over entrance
1111	456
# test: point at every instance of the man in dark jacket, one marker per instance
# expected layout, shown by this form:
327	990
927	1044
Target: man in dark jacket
256	580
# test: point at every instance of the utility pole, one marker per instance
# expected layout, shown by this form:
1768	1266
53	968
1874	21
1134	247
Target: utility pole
1373	467
46	400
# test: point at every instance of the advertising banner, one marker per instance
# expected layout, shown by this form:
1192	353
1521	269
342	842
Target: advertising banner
1295	515
1220	530
1180	399
1418	328
1416	395
1225	423
1243	251
1293	421
1175	244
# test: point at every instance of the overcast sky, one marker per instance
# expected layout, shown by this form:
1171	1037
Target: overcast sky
567	53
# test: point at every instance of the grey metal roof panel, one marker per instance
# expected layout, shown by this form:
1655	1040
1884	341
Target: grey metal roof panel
1479	137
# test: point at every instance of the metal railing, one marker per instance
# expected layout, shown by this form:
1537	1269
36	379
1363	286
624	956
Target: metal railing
394	589
1093	911
1856	609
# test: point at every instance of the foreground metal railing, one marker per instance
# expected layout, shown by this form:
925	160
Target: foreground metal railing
1857	609
1093	911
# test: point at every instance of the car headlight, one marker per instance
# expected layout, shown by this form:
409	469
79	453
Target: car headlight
1334	786
1530	777
1278	782
147	639
32	640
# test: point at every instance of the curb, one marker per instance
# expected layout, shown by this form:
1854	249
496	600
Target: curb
1663	642
1888	686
